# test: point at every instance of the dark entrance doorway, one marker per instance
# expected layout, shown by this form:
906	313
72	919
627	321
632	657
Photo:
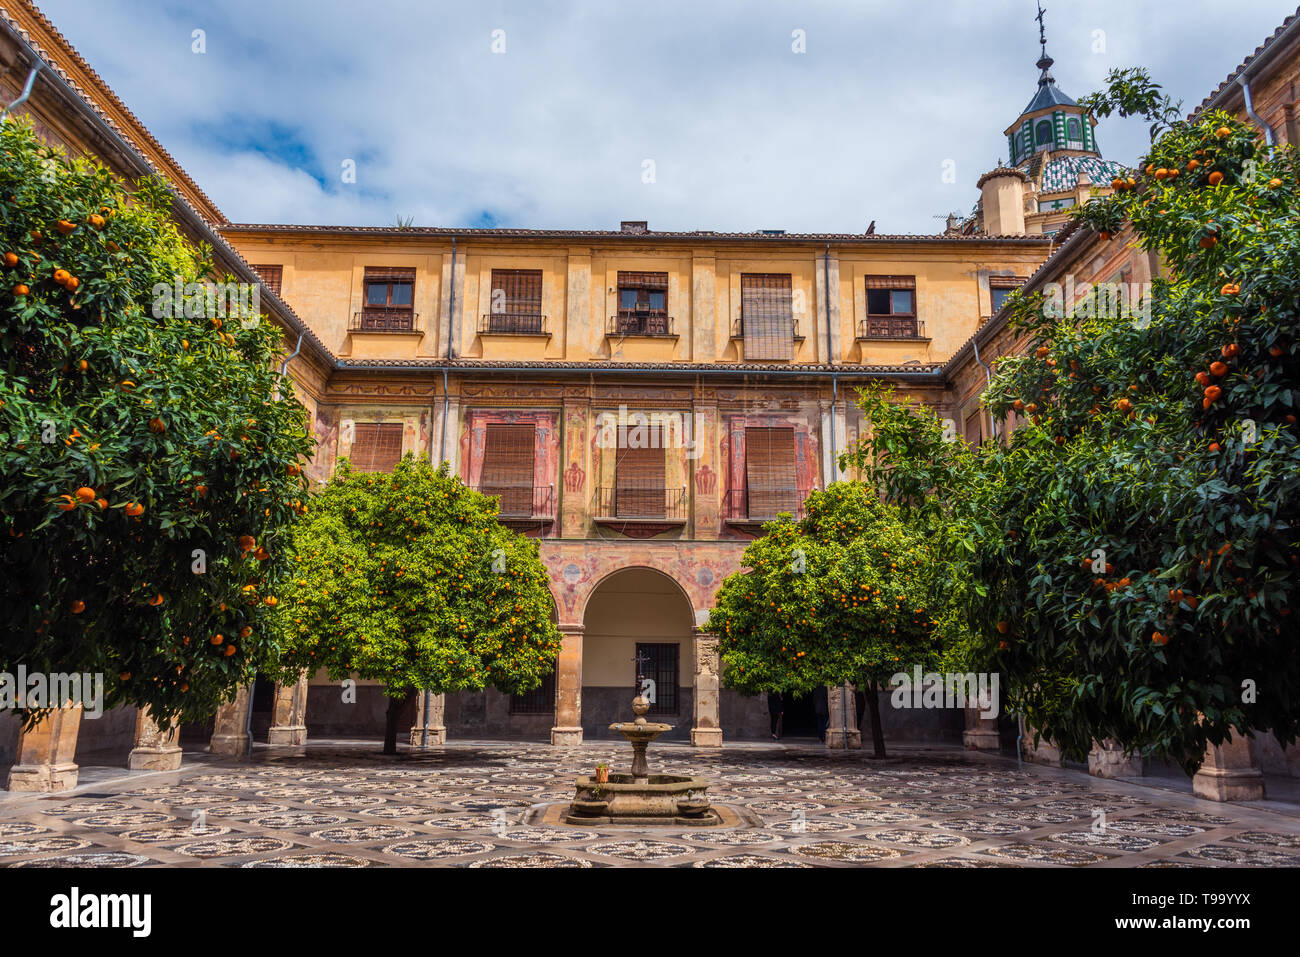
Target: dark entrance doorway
800	721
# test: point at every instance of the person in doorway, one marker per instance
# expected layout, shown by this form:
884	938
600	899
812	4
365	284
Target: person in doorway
822	709
775	711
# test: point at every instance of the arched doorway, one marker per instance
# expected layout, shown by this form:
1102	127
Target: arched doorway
637	613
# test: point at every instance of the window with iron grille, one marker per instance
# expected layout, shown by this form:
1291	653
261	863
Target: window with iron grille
1001	288
376	446
639	479
891	307
540	700
659	663
516	301
271	275
770	472
508	466
642	303
767	316
389	299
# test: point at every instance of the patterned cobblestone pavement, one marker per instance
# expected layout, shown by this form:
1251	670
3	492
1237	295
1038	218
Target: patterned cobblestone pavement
479	804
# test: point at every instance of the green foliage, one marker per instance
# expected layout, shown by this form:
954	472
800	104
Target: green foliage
173	414
842	595
1189	487
407	578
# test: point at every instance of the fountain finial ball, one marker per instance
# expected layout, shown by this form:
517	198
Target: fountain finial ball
640	705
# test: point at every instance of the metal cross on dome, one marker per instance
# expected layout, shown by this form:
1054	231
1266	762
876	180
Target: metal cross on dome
1042	35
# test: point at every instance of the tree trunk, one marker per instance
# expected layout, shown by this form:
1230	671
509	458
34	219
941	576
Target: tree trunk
397	707
877	732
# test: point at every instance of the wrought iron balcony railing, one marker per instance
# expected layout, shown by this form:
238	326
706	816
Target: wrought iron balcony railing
630	322
522	502
762	504
891	327
384	320
738	329
514	324
641	501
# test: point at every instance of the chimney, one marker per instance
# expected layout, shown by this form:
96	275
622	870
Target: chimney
1002	193
634	226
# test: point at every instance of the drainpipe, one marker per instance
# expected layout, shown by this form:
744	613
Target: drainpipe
835	394
988	377
293	355
1250	110
27	91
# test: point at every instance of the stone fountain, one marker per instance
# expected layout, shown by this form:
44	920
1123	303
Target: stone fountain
642	797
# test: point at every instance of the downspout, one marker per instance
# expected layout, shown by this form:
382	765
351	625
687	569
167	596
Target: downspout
835	395
1250	110
293	355
27	91
988	377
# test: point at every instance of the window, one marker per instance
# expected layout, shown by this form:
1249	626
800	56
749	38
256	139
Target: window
1001	288
516	302
540	700
1074	131
389	300
767	316
642	304
659	663
1043	133
639	489
271	275
508	467
974	428
891	308
770	472
376	446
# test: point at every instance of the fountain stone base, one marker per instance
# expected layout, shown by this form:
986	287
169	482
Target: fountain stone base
655	799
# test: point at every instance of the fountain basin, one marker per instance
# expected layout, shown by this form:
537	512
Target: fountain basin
653	799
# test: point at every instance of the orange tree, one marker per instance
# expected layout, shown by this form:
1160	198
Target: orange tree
407	578
841	595
1134	545
148	462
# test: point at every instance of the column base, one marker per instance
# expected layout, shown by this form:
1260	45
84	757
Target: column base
1216	784
566	736
706	737
154	759
1042	753
437	735
232	744
295	734
835	738
979	739
1109	762
42	778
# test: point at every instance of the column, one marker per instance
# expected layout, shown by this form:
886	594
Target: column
706	730
1107	760
1044	752
980	734
289	713
156	748
230	735
1230	772
45	754
437	726
843	708
568	688
703	330
826	319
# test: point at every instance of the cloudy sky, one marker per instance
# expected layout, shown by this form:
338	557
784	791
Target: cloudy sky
691	114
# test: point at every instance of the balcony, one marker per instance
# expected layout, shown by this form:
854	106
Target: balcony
385	320
522	504
632	322
891	328
738	329
752	507
514	324
640	509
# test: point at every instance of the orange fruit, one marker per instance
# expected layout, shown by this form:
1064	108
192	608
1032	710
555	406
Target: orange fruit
156	600
85	495
261	554
134	509
21	290
72	284
67	505
1209	242
1191	166
271	601
1003	627
1213	392
1160	638
1230	289
61	276
83	365
216	639
11	259
1214	446
96	220
1218	368
230	650
1230	350
1223	132
245	631
1216	178
77	607
102	503
247	543
157	426
65	227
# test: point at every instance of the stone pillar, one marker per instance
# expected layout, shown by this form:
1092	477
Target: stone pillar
289	713
1107	760
706	730
44	760
156	748
1230	772
1044	752
230	735
437	727
980	734
568	688
842	706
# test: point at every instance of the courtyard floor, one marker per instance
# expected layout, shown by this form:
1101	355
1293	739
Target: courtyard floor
480	804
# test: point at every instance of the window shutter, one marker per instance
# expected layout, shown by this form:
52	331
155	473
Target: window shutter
891	282
376	446
770	471
767	316
508	467
272	276
521	310
390	273
974	428
639	475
